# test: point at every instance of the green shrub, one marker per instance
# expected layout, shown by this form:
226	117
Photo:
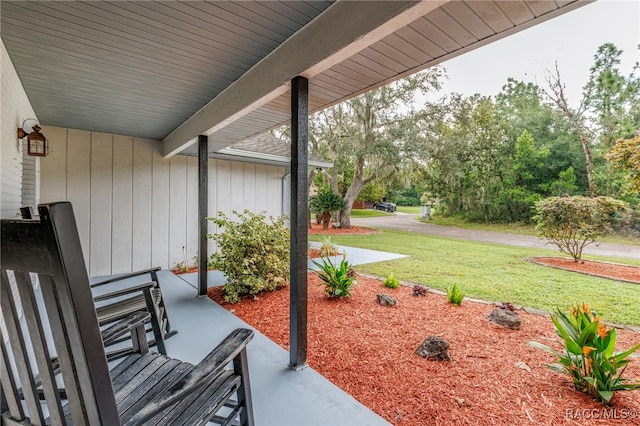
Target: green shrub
455	295
253	254
588	356
572	223
407	201
337	280
391	281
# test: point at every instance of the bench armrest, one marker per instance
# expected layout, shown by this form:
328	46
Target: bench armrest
126	276
124	291
123	326
201	375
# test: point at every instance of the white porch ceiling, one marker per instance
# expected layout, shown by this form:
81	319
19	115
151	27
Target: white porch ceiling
171	70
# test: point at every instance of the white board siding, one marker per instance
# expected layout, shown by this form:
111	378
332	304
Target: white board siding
160	207
222	188
237	187
192	218
122	240
136	209
30	178
212	208
274	186
178	210
262	177
142	204
14	109
249	187
53	167
100	223
79	184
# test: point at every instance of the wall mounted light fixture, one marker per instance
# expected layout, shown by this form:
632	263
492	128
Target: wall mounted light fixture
37	143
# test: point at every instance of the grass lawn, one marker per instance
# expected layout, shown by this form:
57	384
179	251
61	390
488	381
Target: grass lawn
410	209
498	273
508	228
367	213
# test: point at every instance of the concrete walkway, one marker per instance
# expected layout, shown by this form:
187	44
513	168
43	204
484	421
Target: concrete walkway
407	222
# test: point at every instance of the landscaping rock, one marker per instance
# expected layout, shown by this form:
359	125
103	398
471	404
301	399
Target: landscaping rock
386	300
434	348
505	318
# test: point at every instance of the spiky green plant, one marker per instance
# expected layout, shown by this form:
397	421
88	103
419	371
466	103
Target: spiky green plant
589	356
391	281
455	295
337	280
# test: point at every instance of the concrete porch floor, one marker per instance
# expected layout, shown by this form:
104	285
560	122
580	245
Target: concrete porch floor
281	396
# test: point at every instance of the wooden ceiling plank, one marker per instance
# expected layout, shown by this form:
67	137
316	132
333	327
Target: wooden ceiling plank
468	19
517	11
492	15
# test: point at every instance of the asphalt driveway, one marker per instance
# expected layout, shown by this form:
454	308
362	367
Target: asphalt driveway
407	222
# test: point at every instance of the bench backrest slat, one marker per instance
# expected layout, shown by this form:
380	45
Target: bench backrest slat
50	247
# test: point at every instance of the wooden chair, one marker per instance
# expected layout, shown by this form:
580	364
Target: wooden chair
54	341
119	296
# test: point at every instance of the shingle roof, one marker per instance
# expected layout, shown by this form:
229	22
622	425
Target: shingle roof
266	149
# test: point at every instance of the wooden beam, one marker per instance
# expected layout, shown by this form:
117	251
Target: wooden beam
299	221
342	30
203	203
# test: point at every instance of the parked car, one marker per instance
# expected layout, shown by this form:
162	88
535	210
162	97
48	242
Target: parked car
387	207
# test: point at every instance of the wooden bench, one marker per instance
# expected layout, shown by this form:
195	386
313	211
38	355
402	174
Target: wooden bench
53	364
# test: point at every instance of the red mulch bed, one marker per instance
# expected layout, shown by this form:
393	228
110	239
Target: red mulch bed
494	376
590	267
182	271
354	230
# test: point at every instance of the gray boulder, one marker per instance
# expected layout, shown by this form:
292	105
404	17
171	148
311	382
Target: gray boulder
386	300
505	318
434	348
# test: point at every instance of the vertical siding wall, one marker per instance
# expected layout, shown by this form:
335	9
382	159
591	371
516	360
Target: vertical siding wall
14	109
135	209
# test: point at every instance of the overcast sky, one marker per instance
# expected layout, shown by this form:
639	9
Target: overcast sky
571	39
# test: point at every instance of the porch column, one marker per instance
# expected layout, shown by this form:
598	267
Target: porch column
203	203
299	214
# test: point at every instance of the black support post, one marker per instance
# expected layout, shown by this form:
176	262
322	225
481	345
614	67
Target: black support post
203	204
299	222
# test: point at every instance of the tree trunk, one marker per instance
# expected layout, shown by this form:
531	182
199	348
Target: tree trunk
593	189
576	119
326	219
352	193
